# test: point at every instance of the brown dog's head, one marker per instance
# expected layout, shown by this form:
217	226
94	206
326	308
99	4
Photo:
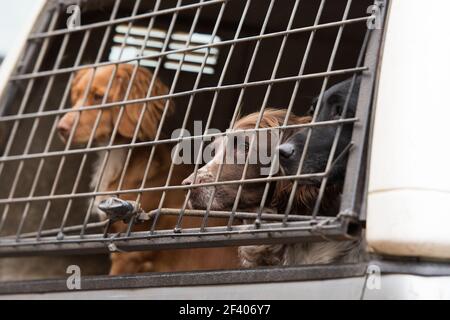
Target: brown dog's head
109	116
225	194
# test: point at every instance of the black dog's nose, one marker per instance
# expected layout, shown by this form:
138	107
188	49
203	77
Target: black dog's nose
286	150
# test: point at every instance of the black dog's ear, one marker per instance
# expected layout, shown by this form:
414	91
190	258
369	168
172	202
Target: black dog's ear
334	100
313	107
335	106
331	107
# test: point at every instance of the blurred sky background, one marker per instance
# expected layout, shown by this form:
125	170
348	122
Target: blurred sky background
13	17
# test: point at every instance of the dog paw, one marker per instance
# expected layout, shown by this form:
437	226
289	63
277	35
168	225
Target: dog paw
146	267
264	255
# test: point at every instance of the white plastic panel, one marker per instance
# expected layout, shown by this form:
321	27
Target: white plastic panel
12	57
409	190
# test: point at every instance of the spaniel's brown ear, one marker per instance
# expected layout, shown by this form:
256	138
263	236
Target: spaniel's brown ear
152	110
280	196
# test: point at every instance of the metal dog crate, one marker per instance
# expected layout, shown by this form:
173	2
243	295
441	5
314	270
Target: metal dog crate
220	58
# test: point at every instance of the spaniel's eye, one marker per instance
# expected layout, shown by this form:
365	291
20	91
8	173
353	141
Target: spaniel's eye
240	146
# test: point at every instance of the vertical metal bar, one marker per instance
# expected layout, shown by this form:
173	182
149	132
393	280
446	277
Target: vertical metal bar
91	138
25	60
266	99
291	104
190	104
236	111
150	89
216	96
69	141
175	80
127	93
316	112
166	107
36	122
172	89
84	42
22	108
355	187
135	9
27	93
141	116
260	116
164	114
122	109
340	127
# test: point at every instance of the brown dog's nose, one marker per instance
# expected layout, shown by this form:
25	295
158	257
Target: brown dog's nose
64	128
188	181
200	179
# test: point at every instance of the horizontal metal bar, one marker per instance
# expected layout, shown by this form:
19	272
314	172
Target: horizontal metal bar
50	232
162	188
169	141
190	49
227	214
168	211
243	277
185	93
91	26
188	238
214	278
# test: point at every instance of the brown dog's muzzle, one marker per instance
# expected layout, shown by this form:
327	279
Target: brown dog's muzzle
65	126
202	177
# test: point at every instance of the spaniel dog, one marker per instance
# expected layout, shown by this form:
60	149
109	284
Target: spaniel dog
107	119
225	195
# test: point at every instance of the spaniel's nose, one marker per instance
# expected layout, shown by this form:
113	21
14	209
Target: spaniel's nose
286	150
188	181
201	178
64	128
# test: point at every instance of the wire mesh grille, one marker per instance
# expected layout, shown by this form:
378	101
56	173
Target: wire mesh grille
212	63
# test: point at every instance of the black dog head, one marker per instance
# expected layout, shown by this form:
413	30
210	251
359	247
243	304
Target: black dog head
322	137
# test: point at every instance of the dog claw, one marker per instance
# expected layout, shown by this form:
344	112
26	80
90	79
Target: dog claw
117	209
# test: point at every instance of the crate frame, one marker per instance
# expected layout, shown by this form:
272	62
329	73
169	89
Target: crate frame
347	225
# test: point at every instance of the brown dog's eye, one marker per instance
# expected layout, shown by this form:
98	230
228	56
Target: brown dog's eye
239	146
98	97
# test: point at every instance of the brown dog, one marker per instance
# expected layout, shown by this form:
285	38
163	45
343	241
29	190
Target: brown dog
127	263
226	194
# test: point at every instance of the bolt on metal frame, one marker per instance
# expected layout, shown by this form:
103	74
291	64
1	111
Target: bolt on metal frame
285	226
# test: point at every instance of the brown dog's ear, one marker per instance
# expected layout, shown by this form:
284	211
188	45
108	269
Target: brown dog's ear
76	80
152	110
